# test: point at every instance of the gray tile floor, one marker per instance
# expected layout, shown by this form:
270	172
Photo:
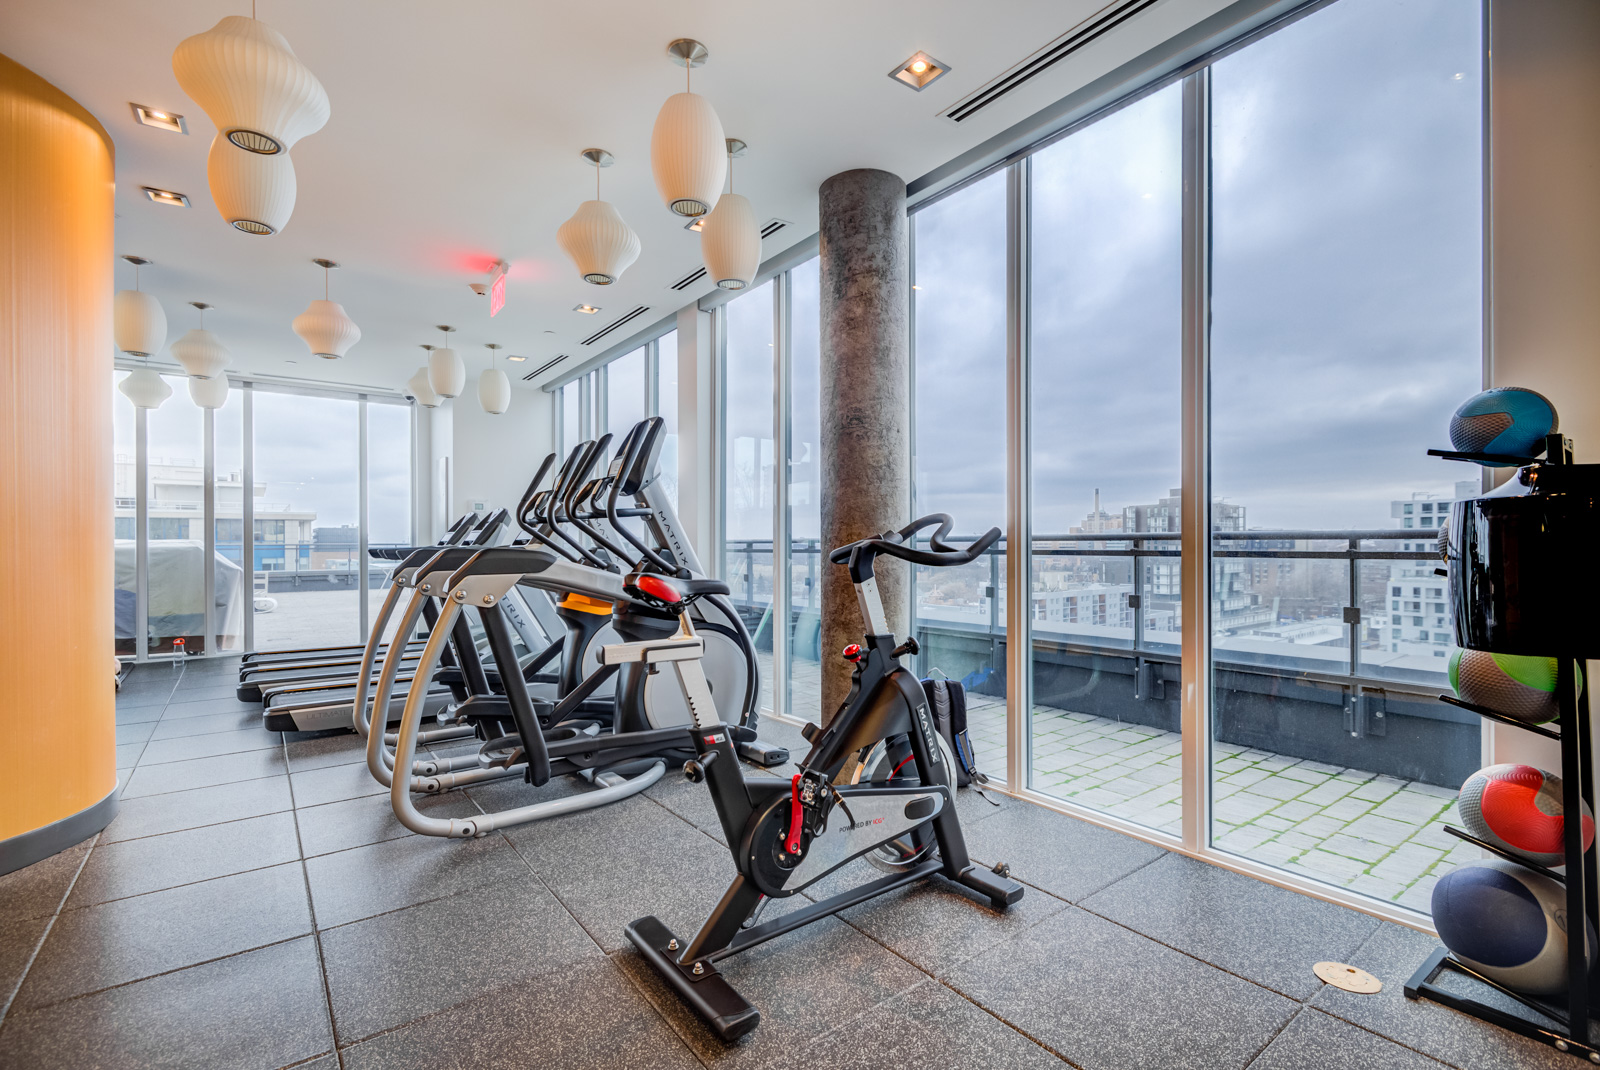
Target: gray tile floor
255	905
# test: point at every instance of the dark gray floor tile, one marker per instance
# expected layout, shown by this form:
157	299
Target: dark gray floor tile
341	748
36	891
1064	856
926	1027
114	943
204	772
360	883
131	698
532	1025
207	689
182	707
138	732
133	867
1392	955
1109	999
18	938
1314	1041
141	714
333	783
692	802
936	925
637	859
407	964
262	1009
785	981
350	823
208	745
128	754
1269	935
232	721
153	815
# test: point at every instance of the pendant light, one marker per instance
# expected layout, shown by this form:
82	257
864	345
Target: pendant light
494	387
730	241
209	393
420	390
201	353
686	144
248	80
145	388
253	193
139	322
599	242
446	372
323	325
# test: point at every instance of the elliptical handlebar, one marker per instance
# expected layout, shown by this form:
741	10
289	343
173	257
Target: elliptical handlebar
895	544
529	496
633	444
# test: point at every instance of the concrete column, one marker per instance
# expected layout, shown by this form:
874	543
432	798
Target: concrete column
865	401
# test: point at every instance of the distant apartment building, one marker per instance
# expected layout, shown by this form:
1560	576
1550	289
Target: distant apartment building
176	510
1418	601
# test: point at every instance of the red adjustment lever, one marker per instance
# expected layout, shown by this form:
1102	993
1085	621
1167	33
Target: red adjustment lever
853	652
792	845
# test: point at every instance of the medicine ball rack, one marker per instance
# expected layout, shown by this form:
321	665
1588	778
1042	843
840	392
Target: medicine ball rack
1580	876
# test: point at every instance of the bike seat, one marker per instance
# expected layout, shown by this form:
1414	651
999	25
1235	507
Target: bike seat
670	590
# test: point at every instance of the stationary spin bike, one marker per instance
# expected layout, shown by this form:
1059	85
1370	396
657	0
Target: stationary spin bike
894	806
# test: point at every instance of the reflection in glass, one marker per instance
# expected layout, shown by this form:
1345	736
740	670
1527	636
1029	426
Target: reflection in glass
1346	328
625	392
806	560
388	492
667	409
124	428
227	430
748	468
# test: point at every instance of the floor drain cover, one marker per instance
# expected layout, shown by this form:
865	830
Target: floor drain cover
1346	977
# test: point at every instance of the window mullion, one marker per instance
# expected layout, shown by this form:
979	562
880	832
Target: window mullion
208	495
1018	563
782	588
362	579
141	534
247	519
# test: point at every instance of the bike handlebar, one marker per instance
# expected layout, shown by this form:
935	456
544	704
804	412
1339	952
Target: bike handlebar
943	555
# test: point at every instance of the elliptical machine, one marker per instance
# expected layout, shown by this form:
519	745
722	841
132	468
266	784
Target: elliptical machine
896	806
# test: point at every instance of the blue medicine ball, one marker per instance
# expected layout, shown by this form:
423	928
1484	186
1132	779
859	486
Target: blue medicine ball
1508	923
1508	420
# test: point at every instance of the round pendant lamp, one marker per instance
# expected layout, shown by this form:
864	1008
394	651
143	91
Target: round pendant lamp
209	393
447	374
139	323
494	386
145	388
420	391
248	80
323	326
686	144
730	240
253	193
201	353
596	238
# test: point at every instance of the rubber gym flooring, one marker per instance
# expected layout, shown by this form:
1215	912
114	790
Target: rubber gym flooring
256	905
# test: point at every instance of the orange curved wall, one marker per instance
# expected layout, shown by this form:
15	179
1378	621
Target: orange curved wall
57	696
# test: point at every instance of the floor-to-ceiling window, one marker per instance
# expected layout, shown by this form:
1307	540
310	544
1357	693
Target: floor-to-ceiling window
666	395
175	524
388	491
806	557
625	392
959	344
748	465
125	449
1105	243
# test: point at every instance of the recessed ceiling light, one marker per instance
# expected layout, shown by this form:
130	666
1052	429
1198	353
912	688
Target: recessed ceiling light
162	120
166	196
695	224
919	72
519	360
587	310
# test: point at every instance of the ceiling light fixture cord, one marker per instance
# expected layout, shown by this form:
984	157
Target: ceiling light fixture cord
324	284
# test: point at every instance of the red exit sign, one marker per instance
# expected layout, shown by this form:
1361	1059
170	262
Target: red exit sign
497	291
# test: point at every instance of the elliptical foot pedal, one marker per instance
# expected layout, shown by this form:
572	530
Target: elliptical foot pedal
757	752
729	1014
1000	891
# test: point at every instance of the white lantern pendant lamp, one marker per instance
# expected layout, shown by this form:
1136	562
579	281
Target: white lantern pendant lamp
686	144
201	353
730	241
253	193
209	393
447	374
145	388
494	387
139	322
596	238
324	327
420	390
251	84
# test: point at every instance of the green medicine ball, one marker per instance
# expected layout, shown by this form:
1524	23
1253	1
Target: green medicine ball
1516	685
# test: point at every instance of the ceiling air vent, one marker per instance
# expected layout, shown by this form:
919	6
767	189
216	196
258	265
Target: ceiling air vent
546	366
603	331
771	227
1091	29
688	280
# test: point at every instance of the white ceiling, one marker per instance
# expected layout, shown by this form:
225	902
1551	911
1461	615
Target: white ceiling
455	136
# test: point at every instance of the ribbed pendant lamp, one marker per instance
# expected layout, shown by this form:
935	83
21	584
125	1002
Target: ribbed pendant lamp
145	388
323	326
686	144
248	80
730	240
201	353
139	324
209	393
494	387
420	390
596	238
253	193
446	372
